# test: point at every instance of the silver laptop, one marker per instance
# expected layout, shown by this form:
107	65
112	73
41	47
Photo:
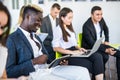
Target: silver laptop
90	52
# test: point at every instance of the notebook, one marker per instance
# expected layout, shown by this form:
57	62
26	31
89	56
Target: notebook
87	54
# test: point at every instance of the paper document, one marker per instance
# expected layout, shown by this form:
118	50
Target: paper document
42	36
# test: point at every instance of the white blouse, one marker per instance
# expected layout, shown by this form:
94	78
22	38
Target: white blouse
58	38
3	58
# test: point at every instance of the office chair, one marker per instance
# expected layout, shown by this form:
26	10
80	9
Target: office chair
79	39
58	55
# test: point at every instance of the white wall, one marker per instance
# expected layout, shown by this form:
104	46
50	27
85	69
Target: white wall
81	10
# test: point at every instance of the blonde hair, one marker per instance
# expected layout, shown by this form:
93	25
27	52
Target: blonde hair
28	5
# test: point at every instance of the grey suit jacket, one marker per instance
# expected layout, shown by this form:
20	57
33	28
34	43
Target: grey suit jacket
47	28
20	54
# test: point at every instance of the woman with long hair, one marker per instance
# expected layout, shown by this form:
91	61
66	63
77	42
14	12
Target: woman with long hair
64	41
5	22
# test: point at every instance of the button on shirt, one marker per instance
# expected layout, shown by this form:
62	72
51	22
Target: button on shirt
36	51
58	38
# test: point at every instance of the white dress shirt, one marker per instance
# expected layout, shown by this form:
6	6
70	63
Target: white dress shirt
53	22
98	29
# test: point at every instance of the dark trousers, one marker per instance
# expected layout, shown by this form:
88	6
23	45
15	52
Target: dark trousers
118	67
105	57
94	63
117	55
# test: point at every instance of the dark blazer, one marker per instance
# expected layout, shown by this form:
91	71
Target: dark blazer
47	28
20	54
89	33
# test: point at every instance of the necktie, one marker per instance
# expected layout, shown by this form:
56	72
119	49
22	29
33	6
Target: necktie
37	44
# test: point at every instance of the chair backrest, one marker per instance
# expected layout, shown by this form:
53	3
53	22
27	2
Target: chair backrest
58	55
79	39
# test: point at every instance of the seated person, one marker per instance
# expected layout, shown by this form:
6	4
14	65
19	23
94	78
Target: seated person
27	56
92	31
4	32
49	22
64	41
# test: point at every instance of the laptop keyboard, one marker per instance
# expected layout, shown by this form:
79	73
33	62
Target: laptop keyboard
86	53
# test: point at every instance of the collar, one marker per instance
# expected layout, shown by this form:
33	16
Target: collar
51	18
26	33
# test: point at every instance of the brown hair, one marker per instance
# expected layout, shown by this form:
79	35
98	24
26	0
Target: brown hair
63	13
4	36
95	8
56	5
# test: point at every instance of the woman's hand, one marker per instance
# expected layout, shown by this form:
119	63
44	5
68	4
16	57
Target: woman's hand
82	50
77	52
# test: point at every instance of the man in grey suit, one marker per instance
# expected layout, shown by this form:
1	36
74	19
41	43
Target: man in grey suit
49	22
